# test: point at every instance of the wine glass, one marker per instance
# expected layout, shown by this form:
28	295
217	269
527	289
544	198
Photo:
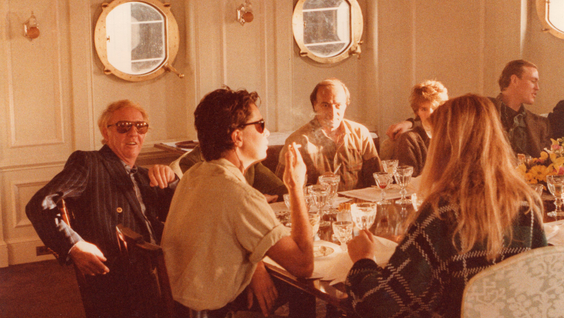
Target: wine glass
287	200
390	166
383	179
343	230
556	187
403	177
332	180
363	214
319	193
314	219
416	200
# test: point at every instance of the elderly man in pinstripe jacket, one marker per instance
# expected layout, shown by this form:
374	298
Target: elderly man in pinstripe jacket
104	188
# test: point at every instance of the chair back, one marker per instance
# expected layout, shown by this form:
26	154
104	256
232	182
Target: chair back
175	165
136	245
530	283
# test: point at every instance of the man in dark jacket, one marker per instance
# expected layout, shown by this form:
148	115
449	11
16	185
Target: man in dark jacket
104	188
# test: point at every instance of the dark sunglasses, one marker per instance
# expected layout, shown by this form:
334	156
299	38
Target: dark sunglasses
259	125
123	127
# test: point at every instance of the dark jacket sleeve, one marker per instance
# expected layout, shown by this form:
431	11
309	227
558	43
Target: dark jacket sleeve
42	208
411	150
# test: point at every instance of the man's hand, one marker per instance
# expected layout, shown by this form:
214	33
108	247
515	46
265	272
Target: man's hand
263	288
88	258
397	129
362	246
294	174
161	175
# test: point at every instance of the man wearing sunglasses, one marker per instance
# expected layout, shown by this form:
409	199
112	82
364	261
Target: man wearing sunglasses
103	189
330	143
257	175
220	228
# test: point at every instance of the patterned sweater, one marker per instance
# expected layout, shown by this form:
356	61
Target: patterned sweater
425	277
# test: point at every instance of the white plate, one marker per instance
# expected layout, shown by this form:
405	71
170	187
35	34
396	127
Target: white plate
323	250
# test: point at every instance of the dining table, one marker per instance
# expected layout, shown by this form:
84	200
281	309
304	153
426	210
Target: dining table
330	271
327	280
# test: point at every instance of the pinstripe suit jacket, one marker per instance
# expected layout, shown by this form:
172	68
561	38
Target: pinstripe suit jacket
100	193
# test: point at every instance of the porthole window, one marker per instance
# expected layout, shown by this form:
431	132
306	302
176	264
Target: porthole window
551	14
328	31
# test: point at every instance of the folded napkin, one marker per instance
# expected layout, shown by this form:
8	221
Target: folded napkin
554	232
342	263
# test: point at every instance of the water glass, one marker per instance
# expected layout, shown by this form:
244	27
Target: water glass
416	201
363	214
332	181
314	219
319	193
390	166
343	231
555	185
403	177
287	200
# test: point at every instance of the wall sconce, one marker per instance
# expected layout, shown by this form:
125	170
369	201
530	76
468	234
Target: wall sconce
245	12
31	28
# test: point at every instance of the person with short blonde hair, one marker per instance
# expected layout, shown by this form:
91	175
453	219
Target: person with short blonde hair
411	147
477	212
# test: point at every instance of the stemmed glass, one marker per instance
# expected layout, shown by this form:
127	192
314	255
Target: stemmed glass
403	177
363	214
390	166
556	187
383	179
332	180
343	230
319	193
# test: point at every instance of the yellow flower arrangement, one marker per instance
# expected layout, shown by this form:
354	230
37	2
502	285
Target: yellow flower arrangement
550	162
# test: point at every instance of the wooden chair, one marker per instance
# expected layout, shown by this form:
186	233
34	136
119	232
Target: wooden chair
68	217
136	245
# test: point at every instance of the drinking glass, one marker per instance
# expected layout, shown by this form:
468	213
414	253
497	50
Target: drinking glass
314	219
332	180
363	214
383	179
319	193
537	187
343	230
390	166
287	200
416	201
403	177
556	187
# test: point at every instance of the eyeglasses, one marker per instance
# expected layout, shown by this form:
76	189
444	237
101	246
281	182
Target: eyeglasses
123	127
259	125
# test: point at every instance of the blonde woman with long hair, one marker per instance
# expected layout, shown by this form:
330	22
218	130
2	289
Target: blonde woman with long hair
478	211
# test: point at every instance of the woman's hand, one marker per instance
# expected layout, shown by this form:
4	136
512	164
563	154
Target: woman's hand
362	246
294	173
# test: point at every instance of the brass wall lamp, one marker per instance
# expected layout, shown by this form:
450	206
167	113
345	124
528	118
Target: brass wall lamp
245	12
31	28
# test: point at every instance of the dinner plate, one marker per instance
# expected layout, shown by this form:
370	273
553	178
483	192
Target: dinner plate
323	249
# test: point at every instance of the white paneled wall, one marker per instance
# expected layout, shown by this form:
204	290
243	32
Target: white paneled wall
52	89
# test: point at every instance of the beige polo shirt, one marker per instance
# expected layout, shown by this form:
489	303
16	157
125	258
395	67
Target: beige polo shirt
217	230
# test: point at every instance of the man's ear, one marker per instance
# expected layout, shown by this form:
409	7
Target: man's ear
514	79
237	137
